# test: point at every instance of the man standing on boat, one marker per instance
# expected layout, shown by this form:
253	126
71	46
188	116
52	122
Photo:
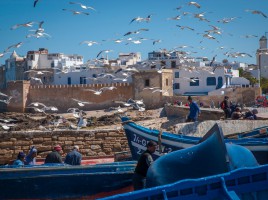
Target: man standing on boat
73	157
194	111
144	162
54	156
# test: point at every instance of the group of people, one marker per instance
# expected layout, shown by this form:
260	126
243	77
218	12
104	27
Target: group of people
72	158
230	111
235	112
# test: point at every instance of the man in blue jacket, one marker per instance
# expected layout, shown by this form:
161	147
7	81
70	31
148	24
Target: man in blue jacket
73	157
194	111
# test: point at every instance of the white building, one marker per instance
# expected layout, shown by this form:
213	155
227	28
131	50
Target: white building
127	59
262	57
204	80
43	60
172	59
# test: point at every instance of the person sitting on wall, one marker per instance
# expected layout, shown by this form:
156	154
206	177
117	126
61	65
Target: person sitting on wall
251	115
73	157
55	155
237	114
194	111
31	157
20	159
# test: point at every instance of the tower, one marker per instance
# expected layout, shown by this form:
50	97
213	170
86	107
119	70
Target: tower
263	42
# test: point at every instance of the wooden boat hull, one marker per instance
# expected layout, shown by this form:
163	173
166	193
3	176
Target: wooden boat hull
138	136
66	181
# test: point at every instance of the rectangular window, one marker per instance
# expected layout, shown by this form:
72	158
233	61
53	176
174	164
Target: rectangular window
173	64
166	82
177	74
194	81
69	81
176	86
82	80
211	81
147	83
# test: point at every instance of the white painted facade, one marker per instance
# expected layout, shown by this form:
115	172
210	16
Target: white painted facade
204	80
262	57
86	76
43	60
127	59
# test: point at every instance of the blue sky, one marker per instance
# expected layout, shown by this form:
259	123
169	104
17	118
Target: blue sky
111	21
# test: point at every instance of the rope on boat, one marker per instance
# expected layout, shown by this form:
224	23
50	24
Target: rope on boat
160	141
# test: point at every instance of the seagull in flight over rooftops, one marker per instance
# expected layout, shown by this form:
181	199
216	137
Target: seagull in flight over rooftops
13	46
81	103
83	6
76	12
194	4
257	12
156	41
89	43
103	51
4	53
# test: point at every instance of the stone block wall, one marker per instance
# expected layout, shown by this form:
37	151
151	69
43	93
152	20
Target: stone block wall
92	143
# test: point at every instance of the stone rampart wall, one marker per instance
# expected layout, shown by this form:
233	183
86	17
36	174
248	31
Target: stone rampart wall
91	143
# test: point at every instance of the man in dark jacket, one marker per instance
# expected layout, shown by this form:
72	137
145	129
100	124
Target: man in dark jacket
144	162
227	109
54	156
73	157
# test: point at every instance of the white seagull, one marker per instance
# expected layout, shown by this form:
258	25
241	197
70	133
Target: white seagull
81	103
83	6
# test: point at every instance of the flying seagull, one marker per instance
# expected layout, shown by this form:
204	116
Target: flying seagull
257	12
105	51
83	6
76	12
35	2
194	4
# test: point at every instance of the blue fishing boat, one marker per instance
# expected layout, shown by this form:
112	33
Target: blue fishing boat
260	132
244	183
61	181
138	136
210	156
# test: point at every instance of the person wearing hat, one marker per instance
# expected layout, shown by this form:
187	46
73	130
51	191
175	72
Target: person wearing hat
31	157
194	111
144	162
20	159
73	157
55	155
